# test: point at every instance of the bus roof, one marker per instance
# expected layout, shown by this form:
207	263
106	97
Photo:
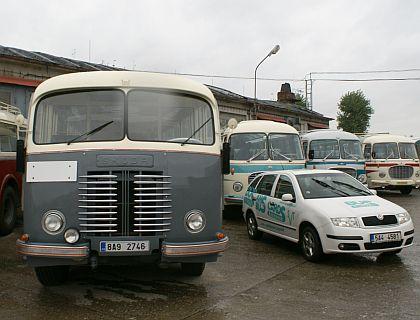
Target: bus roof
381	138
329	134
122	79
265	126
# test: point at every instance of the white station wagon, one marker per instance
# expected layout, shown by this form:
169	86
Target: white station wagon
325	211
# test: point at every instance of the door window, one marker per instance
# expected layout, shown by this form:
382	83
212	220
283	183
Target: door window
367	151
284	185
266	184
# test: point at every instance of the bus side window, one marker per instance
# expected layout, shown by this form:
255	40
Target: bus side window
305	149
367	151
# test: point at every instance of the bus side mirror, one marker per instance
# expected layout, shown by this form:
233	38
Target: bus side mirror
226	158
311	154
20	156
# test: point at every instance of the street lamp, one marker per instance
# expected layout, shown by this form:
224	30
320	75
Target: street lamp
273	51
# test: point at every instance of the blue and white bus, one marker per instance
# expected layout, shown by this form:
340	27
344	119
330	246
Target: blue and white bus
334	149
257	146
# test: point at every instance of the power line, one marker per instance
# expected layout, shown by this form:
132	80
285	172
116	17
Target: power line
367	71
366	80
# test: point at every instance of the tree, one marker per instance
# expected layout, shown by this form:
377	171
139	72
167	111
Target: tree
354	112
300	100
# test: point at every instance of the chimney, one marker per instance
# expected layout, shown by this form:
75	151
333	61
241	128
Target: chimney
286	94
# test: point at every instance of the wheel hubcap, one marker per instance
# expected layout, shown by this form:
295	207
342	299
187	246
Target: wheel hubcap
251	226
308	244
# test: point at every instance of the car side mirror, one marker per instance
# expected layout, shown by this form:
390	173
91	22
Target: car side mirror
374	192
226	158
311	154
20	156
287	197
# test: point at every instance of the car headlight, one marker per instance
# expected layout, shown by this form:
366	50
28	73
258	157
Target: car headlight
195	221
362	178
382	174
403	217
237	186
71	236
350	222
53	222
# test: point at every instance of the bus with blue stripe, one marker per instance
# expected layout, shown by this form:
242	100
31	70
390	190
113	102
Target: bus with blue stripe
257	146
334	149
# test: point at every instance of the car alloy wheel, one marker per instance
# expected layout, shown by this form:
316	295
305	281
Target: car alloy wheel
308	244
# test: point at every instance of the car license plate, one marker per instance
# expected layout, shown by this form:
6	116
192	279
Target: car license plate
385	237
124	246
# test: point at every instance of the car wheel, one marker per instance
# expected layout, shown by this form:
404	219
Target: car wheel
252	227
193	269
391	253
406	190
311	244
8	211
53	275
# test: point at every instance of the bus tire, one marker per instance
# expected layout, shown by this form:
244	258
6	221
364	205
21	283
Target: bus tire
52	275
8	210
252	227
193	269
311	244
406	190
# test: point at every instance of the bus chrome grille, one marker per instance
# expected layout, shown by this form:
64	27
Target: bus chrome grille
124	203
401	172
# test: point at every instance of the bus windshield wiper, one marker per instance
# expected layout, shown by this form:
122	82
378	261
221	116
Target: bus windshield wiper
335	190
281	155
194	133
90	132
256	155
351	155
328	155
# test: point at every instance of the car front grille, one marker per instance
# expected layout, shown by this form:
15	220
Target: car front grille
375	221
124	203
253	175
349	171
382	245
401	172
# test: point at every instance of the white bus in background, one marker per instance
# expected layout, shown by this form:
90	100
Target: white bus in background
334	149
392	162
257	146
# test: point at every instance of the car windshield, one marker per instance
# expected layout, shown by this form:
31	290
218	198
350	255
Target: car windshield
385	150
285	146
408	151
330	185
351	149
325	149
248	146
98	115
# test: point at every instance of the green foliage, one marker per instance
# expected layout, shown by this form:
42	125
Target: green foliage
300	100
354	112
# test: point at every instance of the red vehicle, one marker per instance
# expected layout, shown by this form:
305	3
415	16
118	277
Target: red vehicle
12	125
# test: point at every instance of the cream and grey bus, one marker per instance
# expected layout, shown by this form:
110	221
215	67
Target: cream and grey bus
121	167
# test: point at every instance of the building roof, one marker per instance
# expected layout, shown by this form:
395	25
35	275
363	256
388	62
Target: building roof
283	106
44	58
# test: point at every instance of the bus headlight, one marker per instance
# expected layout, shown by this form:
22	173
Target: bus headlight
53	222
382	174
362	178
71	236
237	186
195	221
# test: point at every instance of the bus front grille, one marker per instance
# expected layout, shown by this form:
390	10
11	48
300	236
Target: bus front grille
124	203
401	172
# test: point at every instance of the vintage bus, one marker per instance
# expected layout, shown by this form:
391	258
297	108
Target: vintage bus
257	146
417	142
392	162
12	125
121	167
334	149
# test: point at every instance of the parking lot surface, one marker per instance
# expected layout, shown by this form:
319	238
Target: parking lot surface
265	279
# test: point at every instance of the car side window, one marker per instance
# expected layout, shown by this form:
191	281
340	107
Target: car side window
266	184
254	183
284	185
367	151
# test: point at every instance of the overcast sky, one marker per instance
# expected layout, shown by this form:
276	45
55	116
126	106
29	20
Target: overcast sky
231	37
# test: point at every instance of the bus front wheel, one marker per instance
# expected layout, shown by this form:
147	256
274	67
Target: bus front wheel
53	275
406	190
8	211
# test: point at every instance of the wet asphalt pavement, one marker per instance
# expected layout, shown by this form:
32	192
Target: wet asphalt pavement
265	279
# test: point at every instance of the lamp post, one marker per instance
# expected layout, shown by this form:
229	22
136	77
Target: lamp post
273	51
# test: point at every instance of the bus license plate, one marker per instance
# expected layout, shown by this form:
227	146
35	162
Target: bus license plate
124	246
385	237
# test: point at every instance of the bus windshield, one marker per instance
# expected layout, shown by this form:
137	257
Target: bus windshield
248	146
285	146
385	150
325	149
351	149
152	116
408	151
